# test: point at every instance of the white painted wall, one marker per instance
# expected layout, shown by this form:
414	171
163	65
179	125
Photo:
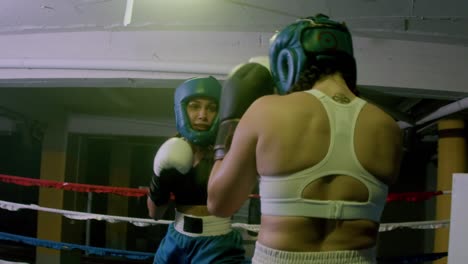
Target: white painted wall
85	124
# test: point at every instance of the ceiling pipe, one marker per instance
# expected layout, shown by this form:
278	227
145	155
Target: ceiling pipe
117	65
444	111
404	125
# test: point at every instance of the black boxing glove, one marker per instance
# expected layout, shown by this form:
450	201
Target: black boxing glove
174	158
244	85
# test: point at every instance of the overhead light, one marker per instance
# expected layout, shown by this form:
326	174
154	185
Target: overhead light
128	13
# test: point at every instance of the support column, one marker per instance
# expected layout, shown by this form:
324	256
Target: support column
53	159
451	159
119	176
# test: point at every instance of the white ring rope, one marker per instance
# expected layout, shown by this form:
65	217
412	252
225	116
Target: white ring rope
415	225
146	222
83	216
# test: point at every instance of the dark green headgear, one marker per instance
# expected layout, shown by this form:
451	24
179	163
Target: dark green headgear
313	38
207	87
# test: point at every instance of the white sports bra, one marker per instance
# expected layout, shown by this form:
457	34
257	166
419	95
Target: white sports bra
282	195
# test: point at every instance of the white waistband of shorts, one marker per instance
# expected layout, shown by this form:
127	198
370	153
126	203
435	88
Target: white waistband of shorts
212	225
266	255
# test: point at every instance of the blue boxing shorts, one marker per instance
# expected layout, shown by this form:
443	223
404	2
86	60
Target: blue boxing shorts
180	246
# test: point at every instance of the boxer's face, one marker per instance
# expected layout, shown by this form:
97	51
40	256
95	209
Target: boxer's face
201	112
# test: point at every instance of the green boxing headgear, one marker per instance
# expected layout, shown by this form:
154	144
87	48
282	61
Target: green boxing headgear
313	38
207	87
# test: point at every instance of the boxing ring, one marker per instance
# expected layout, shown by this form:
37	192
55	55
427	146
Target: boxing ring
459	218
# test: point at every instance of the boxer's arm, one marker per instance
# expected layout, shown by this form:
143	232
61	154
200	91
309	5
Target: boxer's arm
156	212
394	148
233	178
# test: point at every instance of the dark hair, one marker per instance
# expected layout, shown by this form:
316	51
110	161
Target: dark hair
316	70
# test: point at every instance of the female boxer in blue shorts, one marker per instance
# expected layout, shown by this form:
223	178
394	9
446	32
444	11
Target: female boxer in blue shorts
182	166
